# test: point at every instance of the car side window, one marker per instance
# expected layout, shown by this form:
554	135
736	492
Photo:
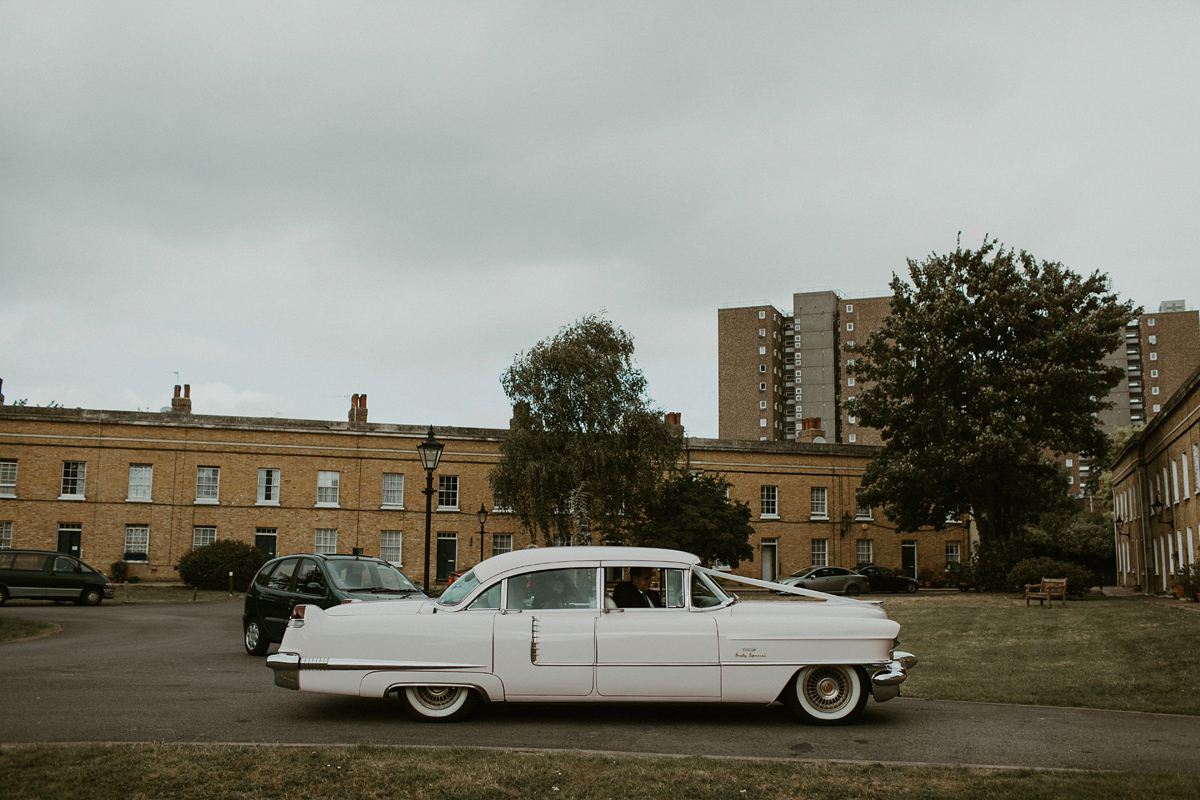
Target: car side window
574	587
489	600
310	579
64	564
281	578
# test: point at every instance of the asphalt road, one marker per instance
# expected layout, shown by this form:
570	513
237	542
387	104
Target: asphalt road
178	673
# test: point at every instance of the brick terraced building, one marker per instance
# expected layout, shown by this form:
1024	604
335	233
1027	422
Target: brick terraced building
147	487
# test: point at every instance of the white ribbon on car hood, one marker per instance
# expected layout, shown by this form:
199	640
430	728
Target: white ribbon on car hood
781	587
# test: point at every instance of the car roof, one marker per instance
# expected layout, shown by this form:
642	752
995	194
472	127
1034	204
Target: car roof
552	556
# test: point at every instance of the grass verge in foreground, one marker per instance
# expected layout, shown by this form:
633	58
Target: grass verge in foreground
216	772
13	629
1119	654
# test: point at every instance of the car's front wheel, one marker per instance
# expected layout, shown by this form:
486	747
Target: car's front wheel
256	640
90	596
827	694
911	587
438	703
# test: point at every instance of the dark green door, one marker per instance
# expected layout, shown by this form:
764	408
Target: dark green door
447	555
908	558
69	540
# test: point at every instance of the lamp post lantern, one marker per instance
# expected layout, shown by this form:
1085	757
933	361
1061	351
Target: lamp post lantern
430	451
482	514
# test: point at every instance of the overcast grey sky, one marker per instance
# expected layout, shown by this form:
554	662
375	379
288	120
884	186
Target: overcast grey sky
287	203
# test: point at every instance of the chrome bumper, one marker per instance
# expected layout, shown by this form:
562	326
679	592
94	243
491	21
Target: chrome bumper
287	669
885	684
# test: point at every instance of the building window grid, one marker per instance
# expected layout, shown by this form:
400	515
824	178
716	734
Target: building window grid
325	541
141	482
820	552
137	542
203	535
8	478
208	484
501	543
328	487
865	551
769	502
393	489
5	535
953	553
391	546
74	479
819	502
268	486
862	510
448	492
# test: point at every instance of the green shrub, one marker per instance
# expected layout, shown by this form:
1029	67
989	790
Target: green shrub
1032	570
119	571
208	567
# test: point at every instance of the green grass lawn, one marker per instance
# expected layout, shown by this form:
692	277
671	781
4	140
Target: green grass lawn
167	772
1123	654
13	629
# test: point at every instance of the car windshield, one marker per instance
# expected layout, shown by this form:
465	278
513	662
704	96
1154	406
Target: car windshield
377	577
456	591
803	573
705	592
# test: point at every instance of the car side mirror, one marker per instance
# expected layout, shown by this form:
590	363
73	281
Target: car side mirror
315	587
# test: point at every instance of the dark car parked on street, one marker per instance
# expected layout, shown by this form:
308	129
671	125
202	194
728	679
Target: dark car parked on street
883	579
319	580
47	575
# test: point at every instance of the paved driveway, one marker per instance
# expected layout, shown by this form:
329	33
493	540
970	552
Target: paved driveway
178	674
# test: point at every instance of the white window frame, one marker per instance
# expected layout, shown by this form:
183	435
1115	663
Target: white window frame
393	496
447	497
818	502
867	546
861	511
1187	488
137	535
849	327
328	488
268	486
208	485
820	552
502	543
6	535
953	552
141	484
8	477
1174	482
1196	468
325	541
768	502
74	477
391	547
203	535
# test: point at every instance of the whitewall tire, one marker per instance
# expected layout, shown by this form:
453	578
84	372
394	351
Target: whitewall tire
438	703
827	694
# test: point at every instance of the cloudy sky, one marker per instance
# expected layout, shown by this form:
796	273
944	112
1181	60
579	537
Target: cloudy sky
286	203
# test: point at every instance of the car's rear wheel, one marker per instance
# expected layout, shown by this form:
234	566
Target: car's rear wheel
438	703
90	596
3	595
827	694
256	640
853	590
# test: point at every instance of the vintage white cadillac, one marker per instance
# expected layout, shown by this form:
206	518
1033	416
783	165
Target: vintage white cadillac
542	625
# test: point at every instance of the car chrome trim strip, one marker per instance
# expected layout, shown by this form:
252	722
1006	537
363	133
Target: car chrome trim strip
291	661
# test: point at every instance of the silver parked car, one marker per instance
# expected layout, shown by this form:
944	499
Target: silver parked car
831	580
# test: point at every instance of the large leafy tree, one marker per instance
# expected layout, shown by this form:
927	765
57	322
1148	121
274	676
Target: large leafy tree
989	361
693	513
586	450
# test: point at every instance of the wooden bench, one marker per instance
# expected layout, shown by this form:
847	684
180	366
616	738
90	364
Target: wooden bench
1047	590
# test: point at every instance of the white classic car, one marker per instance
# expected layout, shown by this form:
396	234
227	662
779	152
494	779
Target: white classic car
542	625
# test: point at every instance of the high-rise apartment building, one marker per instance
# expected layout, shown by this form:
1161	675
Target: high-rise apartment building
779	371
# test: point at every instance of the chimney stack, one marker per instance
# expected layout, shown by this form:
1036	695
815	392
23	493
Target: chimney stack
182	405
674	418
358	409
810	430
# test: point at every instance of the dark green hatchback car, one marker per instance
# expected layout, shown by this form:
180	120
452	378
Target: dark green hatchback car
312	579
46	575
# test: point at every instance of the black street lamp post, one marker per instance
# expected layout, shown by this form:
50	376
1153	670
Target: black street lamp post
431	453
482	514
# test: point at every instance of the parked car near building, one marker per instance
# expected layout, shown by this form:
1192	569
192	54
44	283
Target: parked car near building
542	625
319	580
47	575
830	580
882	579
